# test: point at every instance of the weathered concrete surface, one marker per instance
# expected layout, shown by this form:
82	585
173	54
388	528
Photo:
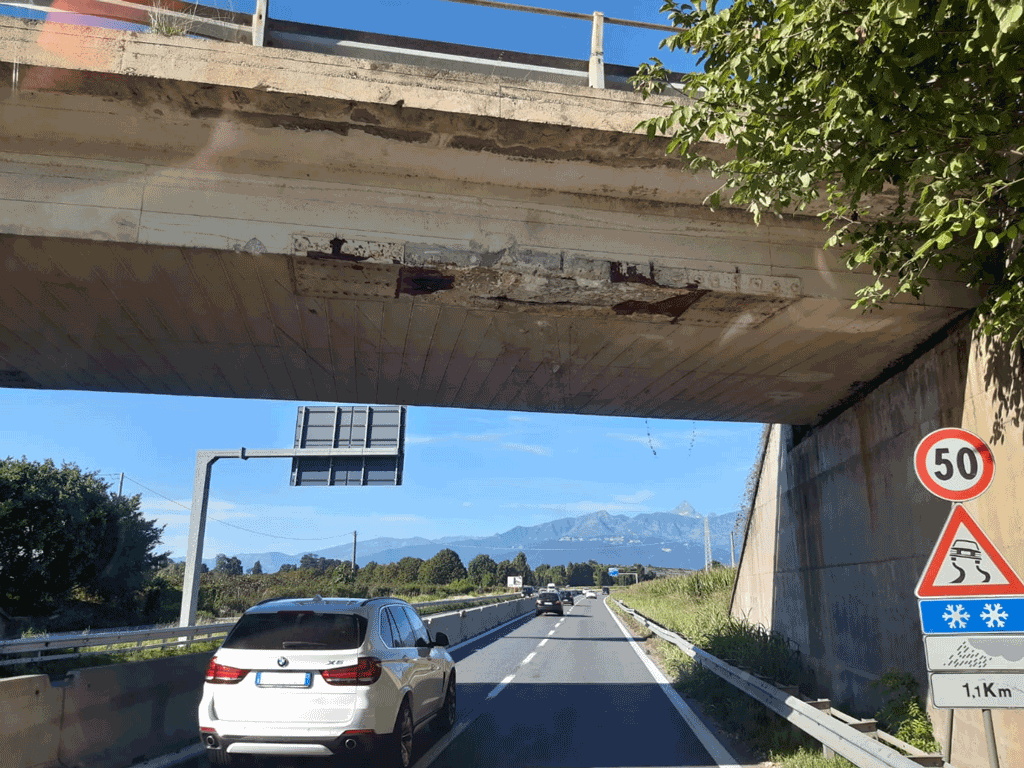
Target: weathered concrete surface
183	216
842	528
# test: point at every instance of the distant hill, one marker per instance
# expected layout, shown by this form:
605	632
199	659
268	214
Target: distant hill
672	539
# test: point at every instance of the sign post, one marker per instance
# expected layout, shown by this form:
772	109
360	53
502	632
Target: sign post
970	599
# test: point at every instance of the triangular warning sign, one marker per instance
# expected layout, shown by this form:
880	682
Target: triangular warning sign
965	563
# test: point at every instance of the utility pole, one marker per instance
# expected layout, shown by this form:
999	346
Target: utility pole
732	549
353	553
120	484
707	543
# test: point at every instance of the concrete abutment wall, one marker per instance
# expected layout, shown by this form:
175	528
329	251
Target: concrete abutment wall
841	528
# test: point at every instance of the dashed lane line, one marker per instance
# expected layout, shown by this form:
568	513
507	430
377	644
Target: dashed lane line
542	642
529	658
497	689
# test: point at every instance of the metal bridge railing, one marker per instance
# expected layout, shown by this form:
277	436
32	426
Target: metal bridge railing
260	30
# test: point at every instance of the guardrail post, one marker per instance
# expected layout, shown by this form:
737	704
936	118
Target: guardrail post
259	22
597	51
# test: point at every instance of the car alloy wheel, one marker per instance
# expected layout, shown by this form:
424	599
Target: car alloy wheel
403	737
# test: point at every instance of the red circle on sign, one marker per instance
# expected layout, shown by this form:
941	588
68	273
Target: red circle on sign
988	464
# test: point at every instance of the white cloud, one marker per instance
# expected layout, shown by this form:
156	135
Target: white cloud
636	498
467	503
537	449
517	418
644	439
402	519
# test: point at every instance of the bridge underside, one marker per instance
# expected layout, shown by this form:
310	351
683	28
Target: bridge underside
186	217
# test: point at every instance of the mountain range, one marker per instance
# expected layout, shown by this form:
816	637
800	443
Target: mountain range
672	539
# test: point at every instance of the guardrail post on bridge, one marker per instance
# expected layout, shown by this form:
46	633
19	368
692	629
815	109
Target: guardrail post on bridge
259	22
597	51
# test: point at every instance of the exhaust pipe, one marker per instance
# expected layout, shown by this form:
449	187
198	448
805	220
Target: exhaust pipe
211	741
351	743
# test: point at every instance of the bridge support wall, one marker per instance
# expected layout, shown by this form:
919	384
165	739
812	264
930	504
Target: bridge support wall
841	528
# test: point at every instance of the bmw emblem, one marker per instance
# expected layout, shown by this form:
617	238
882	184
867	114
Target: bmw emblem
282	662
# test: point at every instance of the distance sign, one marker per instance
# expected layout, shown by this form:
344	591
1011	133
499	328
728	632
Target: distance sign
954	464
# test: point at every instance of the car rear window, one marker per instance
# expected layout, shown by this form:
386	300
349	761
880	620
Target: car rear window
297	630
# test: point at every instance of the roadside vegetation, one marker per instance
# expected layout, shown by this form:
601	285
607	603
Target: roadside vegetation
696	606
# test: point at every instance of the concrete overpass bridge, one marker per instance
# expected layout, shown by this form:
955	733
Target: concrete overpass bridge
185	216
193	217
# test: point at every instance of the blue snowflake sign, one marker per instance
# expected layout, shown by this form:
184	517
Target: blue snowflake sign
953	616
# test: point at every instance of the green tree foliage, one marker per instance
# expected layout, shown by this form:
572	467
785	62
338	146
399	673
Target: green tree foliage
899	120
443	568
504	570
309	561
229	565
407	569
482	566
521	568
579	574
257	569
287	568
61	529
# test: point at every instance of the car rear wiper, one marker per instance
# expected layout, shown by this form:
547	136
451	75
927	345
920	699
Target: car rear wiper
302	644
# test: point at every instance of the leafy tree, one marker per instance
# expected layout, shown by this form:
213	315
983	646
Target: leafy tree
229	565
580	574
443	568
521	568
287	568
61	528
899	120
257	569
504	570
408	569
481	566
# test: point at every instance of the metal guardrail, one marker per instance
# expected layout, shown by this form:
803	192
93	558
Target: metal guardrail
259	29
857	740
150	638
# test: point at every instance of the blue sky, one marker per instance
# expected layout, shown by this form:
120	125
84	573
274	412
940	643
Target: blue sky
466	472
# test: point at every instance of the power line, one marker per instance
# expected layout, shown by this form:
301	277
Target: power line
231	525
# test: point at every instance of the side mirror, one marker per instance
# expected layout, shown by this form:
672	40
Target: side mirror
421	643
441	639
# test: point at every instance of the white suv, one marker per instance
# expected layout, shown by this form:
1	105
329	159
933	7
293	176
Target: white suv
326	676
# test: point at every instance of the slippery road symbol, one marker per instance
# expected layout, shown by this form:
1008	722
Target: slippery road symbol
969	553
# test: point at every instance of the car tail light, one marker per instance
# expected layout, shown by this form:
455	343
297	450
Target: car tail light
221	673
364	672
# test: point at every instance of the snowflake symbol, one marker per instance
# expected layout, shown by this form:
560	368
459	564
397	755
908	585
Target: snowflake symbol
957	617
994	615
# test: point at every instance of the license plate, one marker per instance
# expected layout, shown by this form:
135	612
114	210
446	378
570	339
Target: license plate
284	679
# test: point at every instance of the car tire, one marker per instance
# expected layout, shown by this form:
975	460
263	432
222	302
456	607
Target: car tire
539	612
402	738
449	710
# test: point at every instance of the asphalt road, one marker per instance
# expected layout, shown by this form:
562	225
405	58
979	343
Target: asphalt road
557	691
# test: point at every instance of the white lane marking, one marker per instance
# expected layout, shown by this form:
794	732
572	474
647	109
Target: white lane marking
551	633
542	642
529	658
715	748
485	634
497	689
442	744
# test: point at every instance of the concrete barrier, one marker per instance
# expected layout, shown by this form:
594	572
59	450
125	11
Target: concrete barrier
115	716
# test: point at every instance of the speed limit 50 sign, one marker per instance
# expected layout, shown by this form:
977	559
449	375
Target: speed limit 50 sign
954	464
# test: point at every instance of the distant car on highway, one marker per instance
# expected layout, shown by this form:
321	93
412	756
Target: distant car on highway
567	598
326	677
604	591
527	591
549	602
590	594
